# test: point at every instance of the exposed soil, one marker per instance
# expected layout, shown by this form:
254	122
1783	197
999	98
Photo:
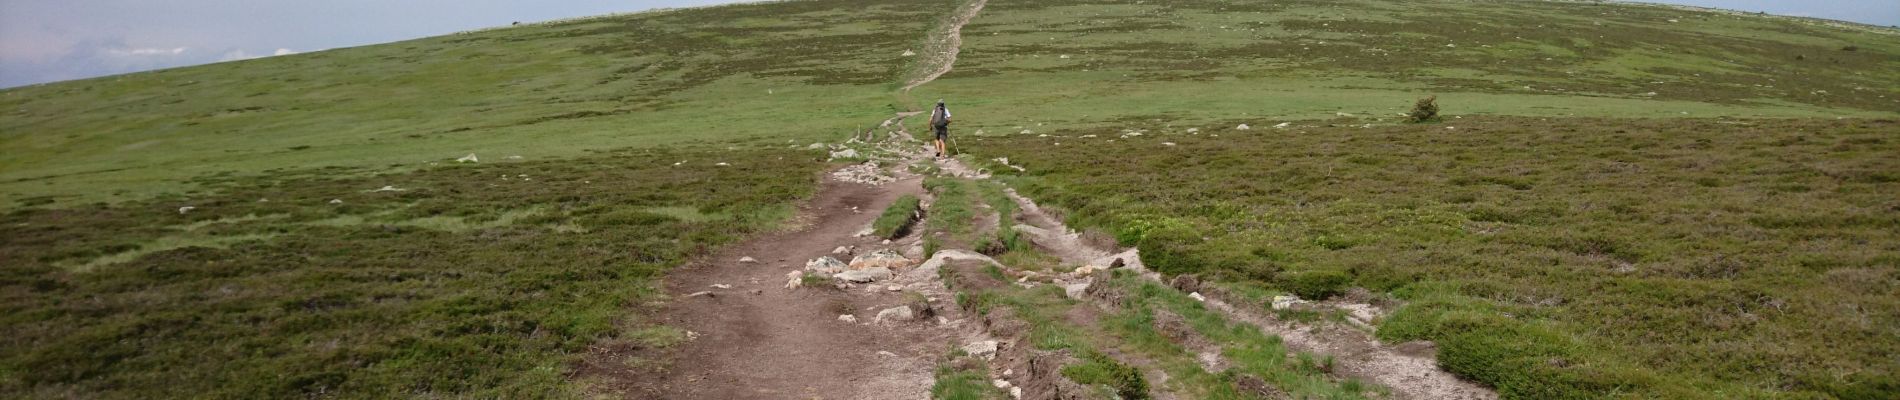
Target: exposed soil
761	340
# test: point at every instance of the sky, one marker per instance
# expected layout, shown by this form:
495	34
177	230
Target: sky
55	40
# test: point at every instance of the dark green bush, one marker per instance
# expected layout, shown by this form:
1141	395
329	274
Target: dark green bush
1425	110
1316	285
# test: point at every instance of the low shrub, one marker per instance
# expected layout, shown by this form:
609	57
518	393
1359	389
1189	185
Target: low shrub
1316	285
1425	110
1098	369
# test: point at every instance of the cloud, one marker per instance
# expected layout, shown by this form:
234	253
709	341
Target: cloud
148	51
240	54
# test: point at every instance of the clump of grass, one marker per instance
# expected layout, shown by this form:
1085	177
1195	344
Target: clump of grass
964	377
897	219
1097	369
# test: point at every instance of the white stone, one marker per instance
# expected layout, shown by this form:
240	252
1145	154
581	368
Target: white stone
748	260
825	265
468	158
883	258
1242	127
1282	302
185	209
1016	392
864	275
1283	125
1000	384
721	286
896	314
336	201
1198	297
985	349
848	318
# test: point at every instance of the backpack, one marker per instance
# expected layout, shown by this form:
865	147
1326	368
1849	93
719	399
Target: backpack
937	119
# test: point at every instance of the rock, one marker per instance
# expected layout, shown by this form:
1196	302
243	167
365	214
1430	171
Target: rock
864	275
387	188
1186	283
908	53
883	258
848	318
816	146
1283	302
895	314
722	164
846	153
1193	130
794	279
842	250
1198	297
894	288
721	286
1016	392
985	349
1000	384
825	265
886	353
867	231
1242	127
747	260
701	293
1283	125
1167	143
185	209
336	201
468	158
1075	290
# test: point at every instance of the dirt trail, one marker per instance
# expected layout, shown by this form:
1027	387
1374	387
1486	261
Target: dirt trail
952	43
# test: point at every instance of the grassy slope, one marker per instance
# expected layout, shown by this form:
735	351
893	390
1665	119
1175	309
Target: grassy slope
1741	237
123	277
805	70
472	280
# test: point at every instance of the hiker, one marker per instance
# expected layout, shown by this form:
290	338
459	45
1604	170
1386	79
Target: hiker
940	121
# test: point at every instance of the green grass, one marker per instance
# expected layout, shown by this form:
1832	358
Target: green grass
897	219
688	77
1551	258
1554	254
296	296
964	377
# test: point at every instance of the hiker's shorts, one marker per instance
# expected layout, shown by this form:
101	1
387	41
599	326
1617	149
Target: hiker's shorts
943	131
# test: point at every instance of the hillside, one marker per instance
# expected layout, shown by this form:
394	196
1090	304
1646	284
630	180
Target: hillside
1617	200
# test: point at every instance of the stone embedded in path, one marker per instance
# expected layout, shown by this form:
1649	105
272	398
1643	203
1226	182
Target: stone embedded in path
985	349
825	265
883	258
848	318
1282	302
748	260
845	250
867	275
895	314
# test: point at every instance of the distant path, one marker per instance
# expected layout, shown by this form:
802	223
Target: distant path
938	64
